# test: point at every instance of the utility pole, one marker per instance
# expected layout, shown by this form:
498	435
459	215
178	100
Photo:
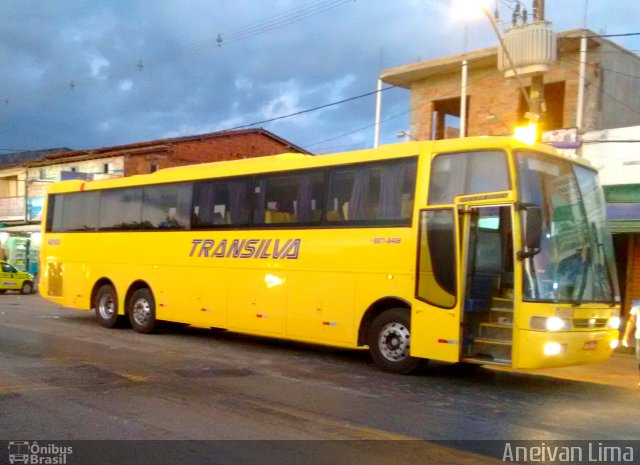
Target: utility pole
538	106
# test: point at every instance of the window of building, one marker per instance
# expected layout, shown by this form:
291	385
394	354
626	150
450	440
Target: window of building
554	100
153	167
445	118
105	168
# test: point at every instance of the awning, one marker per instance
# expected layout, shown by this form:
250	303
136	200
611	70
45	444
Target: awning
624	217
21	228
623	208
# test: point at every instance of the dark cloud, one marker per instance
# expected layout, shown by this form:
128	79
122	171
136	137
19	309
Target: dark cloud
87	73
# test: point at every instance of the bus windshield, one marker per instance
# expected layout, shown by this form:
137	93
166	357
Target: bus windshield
575	261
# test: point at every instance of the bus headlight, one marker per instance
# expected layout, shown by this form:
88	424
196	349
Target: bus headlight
552	348
552	323
614	322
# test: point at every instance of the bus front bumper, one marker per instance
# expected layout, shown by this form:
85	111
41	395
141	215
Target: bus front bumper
548	349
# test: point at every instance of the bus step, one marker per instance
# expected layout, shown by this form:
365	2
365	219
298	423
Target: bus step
502	303
496	332
501	317
482	360
491	349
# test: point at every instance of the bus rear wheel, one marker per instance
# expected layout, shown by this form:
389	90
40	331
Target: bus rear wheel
106	304
142	311
390	342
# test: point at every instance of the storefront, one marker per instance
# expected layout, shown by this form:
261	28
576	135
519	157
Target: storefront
623	213
20	246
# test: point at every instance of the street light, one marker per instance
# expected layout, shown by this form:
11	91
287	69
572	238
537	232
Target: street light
470	10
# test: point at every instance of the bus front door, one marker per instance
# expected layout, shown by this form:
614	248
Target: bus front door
487	318
436	313
464	285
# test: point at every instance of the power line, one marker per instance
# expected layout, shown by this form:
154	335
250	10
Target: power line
455	89
605	36
634	76
604	92
308	110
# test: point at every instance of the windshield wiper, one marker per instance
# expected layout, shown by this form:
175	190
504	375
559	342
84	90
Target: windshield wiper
605	263
585	273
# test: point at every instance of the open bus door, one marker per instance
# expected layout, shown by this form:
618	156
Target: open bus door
488	264
464	284
436	313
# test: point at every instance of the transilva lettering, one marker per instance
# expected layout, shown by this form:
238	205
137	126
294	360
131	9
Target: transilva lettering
246	248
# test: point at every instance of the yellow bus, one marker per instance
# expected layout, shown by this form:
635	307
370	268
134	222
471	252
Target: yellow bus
477	250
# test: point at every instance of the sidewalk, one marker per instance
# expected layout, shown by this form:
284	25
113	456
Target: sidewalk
621	370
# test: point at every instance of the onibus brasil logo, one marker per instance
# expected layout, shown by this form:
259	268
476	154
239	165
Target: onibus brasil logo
38	454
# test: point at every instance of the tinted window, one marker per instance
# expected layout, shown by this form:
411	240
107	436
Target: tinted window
372	192
166	206
463	173
219	203
285	199
437	258
121	209
75	212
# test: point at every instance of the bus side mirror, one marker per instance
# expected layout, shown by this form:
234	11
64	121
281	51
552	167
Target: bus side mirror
532	232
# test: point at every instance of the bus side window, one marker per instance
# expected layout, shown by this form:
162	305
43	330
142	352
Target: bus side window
166	206
223	202
373	191
292	198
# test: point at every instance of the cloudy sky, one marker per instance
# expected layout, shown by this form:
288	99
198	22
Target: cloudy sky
97	73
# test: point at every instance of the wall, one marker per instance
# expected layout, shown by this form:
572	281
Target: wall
494	105
233	146
51	173
494	102
617	162
620	99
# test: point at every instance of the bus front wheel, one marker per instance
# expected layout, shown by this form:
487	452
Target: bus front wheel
106	305
142	311
390	341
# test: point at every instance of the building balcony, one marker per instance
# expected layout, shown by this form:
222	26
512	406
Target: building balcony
13	208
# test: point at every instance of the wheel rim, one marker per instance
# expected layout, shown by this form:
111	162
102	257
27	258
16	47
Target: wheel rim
394	342
141	311
106	306
26	288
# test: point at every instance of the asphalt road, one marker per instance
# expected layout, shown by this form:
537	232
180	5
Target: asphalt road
63	377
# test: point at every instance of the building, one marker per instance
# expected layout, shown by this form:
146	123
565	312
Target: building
608	91
495	105
616	154
24	176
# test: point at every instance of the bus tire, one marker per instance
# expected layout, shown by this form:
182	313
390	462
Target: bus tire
27	288
389	341
142	311
106	304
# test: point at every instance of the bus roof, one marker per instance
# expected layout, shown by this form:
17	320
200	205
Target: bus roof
297	161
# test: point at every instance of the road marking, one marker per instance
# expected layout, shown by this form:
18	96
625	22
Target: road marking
358	432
